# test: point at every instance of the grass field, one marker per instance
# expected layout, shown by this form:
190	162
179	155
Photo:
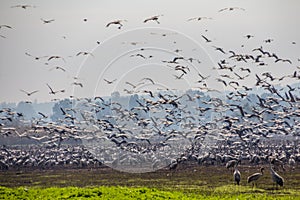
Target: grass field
187	182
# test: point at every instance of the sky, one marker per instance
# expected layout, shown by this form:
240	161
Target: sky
81	27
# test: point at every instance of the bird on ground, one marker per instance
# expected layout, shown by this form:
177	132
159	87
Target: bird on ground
232	163
254	177
276	162
154	18
116	22
277	179
29	93
237	175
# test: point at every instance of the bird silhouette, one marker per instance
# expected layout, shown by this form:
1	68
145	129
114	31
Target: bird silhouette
52	91
198	18
56	57
109	82
5	26
206	39
231	9
35	57
23	6
78	84
47	21
219	49
29	93
84	53
154	18
57	68
116	22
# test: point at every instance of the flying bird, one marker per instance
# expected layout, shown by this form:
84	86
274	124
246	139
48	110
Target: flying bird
222	81
154	18
109	82
56	57
268	40
132	85
52	91
248	36
116	22
198	18
206	39
5	26
219	49
35	57
84	53
29	93
47	21
23	6
148	79
231	9
283	60
78	84
138	55
42	114
58	68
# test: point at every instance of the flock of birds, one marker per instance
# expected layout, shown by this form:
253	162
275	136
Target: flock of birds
151	129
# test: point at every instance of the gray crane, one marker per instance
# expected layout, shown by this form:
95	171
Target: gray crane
277	179
254	177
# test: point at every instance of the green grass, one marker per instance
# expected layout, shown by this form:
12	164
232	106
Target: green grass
187	182
116	192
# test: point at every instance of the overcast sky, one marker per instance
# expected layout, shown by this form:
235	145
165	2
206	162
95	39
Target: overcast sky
69	33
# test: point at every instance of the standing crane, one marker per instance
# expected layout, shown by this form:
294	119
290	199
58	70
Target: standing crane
277	179
254	177
237	175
